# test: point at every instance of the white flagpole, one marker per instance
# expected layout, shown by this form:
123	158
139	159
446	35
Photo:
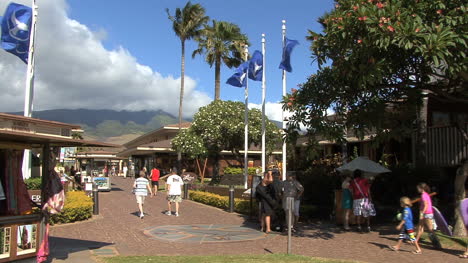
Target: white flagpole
263	106
246	123
283	172
29	91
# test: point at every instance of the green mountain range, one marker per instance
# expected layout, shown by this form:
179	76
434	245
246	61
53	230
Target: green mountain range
109	125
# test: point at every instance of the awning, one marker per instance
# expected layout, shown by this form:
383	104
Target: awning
25	140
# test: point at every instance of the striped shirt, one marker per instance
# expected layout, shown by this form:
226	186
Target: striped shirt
141	186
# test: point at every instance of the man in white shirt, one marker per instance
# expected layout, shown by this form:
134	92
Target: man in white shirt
174	191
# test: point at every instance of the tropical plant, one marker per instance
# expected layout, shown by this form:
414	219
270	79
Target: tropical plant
378	60
222	42
187	24
220	126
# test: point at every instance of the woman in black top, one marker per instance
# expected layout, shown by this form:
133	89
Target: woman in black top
267	203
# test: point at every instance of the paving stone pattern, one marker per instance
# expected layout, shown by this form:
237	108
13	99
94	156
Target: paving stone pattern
119	230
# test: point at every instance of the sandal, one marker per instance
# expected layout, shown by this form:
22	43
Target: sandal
463	256
393	248
416	252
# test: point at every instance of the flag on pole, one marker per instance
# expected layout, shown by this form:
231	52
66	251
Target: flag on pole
239	78
287	49
16	29
256	66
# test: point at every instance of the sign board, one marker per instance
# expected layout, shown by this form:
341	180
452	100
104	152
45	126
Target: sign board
89	187
103	183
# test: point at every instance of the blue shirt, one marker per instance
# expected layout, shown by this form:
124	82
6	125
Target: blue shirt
408	217
141	186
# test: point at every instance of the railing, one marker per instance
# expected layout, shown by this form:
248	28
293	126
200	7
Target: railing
445	146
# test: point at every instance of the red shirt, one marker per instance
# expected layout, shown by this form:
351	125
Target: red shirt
363	184
154	174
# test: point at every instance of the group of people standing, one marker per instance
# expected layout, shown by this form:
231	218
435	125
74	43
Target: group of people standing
272	195
356	196
142	187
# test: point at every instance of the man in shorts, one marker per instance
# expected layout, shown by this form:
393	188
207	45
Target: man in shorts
155	179
174	191
141	187
292	188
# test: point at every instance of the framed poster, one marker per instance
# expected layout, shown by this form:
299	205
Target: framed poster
26	242
5	242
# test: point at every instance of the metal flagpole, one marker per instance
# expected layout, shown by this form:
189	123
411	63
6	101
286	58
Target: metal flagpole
283	172
246	122
263	107
29	91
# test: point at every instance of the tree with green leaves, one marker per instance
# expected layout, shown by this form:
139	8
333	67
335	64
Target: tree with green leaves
187	24
222	42
377	61
220	126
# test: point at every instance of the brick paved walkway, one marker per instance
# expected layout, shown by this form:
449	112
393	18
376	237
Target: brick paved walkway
119	231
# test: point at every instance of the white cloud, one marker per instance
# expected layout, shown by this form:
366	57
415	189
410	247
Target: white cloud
273	110
75	70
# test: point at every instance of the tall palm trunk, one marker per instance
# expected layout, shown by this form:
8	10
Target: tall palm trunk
217	78
181	100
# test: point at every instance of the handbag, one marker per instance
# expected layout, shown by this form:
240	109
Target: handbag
368	205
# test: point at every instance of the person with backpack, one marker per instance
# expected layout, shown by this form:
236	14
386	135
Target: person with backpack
292	189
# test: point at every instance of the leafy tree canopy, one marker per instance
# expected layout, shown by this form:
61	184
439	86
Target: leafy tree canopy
220	126
377	59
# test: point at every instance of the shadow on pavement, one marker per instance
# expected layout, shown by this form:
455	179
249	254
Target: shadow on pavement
61	248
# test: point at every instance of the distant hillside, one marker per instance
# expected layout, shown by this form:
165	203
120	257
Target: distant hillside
109	125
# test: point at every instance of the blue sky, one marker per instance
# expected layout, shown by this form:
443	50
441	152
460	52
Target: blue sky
145	31
123	55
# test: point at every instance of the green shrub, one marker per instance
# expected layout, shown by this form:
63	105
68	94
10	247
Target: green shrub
235	170
240	205
78	206
33	183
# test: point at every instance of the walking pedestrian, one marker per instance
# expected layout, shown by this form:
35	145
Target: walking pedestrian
426	215
155	174
362	205
174	191
406	227
141	188
125	171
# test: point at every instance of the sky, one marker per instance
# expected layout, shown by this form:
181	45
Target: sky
124	55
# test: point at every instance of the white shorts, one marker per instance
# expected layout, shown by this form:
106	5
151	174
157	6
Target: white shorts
297	204
140	199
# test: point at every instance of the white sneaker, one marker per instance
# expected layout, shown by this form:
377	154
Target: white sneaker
141	215
176	214
168	213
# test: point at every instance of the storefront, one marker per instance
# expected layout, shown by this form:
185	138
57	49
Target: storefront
22	229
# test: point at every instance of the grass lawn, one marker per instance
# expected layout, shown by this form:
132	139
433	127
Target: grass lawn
220	259
447	241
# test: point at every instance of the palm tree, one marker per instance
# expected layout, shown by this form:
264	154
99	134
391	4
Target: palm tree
223	42
187	23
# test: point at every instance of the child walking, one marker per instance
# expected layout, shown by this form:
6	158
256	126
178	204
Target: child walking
406	227
426	215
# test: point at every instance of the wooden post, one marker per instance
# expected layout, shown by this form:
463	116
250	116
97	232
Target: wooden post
44	179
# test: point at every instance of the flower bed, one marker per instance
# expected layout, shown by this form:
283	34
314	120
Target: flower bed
240	205
78	207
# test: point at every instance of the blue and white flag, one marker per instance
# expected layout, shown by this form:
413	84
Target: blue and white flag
286	59
16	29
239	78
256	66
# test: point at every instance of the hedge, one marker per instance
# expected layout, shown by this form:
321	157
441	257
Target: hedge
235	170
78	206
33	183
240	205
